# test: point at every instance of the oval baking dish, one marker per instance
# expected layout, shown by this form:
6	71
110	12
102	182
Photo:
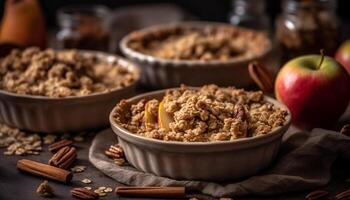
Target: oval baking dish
165	73
67	114
208	161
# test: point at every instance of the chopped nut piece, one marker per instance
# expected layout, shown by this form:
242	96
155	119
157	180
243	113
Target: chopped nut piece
115	151
88	188
78	168
87	181
45	190
119	161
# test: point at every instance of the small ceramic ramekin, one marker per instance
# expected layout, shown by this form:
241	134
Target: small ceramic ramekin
68	114
207	161
164	73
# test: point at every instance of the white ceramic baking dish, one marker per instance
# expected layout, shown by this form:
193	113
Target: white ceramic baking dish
165	73
208	161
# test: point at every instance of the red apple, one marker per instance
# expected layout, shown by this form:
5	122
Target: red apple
315	88
343	55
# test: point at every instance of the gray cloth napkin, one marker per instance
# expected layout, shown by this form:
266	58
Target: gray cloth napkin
304	162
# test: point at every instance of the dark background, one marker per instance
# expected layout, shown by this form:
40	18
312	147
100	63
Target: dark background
211	10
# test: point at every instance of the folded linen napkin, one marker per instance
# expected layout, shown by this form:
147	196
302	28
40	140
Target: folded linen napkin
304	162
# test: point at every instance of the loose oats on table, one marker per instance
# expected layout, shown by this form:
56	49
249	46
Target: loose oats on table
208	114
78	168
86	181
18	142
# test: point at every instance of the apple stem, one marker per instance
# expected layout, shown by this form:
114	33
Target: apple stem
322	58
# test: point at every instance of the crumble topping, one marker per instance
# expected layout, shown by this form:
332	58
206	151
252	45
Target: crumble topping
206	43
208	114
60	73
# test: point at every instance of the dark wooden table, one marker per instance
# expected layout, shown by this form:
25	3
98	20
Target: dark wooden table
15	185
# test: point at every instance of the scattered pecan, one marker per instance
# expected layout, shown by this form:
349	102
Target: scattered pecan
115	151
60	144
317	195
64	157
83	193
45	190
345	130
261	76
240	112
345	195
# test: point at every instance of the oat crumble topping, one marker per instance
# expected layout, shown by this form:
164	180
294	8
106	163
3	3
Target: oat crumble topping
207	44
208	114
60	73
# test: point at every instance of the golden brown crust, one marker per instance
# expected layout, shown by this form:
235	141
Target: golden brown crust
60	73
205	44
208	114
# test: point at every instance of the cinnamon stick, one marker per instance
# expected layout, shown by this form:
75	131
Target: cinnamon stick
44	170
152	192
261	76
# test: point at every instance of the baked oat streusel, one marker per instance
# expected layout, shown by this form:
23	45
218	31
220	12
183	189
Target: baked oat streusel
208	43
60	73
208	114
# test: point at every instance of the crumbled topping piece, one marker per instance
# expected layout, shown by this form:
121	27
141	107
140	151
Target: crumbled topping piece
45	190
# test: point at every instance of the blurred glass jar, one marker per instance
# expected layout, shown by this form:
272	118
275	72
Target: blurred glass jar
306	26
83	27
249	14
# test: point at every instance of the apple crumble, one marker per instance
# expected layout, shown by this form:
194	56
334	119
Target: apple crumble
207	114
60	73
194	43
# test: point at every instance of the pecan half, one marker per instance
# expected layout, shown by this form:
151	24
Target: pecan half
345	195
60	144
317	195
345	130
261	76
115	151
240	112
83	193
64	157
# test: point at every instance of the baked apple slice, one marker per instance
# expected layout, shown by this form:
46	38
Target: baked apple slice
150	118
164	118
